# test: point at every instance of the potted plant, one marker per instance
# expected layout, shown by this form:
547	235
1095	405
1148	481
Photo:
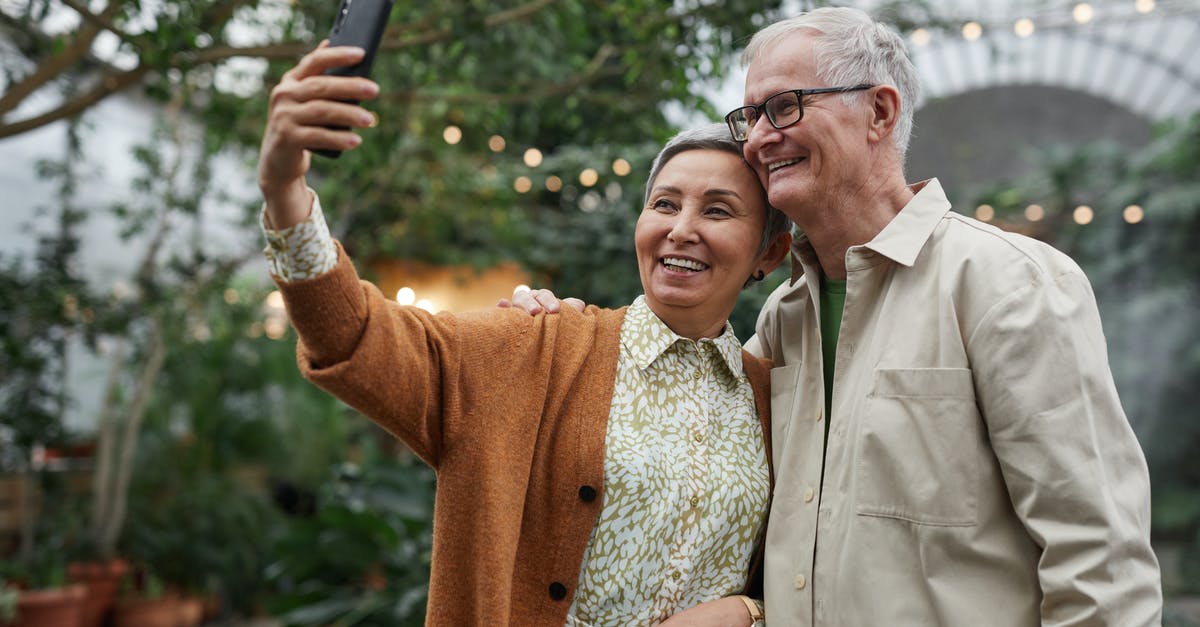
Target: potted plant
35	593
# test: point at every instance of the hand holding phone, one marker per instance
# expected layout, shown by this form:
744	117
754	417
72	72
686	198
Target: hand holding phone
358	23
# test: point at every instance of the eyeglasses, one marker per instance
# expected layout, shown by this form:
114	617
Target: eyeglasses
783	109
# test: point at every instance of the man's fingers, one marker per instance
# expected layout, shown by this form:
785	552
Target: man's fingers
547	300
524	299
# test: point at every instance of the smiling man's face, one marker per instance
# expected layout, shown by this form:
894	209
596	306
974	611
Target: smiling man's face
822	157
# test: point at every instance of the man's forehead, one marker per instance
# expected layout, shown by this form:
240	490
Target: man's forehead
787	62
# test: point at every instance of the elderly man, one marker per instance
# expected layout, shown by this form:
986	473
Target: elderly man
948	440
948	443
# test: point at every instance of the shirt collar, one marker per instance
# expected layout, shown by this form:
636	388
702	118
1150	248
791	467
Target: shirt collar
647	337
903	237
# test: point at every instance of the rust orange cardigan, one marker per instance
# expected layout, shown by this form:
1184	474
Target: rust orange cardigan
509	409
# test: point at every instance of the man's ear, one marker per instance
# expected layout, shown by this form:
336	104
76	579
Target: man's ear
775	253
885	112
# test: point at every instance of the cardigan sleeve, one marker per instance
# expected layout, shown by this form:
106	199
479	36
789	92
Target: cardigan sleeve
399	366
426	378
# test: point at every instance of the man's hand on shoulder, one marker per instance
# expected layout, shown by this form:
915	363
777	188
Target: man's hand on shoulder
538	301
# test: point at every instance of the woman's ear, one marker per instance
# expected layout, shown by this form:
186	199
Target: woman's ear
775	253
885	112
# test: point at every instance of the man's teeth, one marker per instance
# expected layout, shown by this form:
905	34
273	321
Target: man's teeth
779	164
676	263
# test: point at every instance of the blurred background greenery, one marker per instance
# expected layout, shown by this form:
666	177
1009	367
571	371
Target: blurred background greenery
514	135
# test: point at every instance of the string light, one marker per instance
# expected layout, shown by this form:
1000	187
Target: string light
1083	214
985	213
972	31
1134	214
1144	6
1023	27
406	296
588	177
452	134
533	157
1034	213
522	184
553	183
427	305
496	143
231	296
920	37
1083	13
621	167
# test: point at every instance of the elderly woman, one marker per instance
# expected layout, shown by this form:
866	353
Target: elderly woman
620	476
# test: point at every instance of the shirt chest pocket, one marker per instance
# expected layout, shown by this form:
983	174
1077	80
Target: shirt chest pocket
920	448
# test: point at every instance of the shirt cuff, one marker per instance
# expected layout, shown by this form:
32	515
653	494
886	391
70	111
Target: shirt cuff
301	251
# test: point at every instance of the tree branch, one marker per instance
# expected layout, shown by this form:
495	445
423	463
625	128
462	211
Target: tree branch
59	63
593	71
284	50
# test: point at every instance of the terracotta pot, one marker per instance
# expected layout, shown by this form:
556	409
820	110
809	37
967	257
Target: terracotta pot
102	580
142	612
54	607
191	611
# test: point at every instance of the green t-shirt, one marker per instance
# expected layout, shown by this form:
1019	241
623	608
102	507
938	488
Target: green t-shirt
833	298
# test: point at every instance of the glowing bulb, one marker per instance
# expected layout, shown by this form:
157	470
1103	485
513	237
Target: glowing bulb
406	296
1134	214
1034	213
275	300
553	183
496	143
1144	6
1083	13
972	31
588	177
427	305
533	157
452	134
621	167
521	288
1023	27
1083	214
985	213
522	184
920	37
231	296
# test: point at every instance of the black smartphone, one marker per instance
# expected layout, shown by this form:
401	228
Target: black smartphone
358	23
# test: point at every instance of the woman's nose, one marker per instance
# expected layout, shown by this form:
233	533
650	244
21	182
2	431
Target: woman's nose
684	228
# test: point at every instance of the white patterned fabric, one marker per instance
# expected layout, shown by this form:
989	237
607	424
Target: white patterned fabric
301	251
685	479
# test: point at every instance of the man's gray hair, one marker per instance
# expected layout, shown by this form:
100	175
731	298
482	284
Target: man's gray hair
851	48
715	137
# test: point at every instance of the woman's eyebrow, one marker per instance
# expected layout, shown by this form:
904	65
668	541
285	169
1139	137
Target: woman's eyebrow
671	189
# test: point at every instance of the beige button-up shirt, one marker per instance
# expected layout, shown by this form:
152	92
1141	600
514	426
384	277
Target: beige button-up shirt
979	469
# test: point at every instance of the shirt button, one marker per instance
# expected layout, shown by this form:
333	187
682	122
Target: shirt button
809	494
800	582
820	415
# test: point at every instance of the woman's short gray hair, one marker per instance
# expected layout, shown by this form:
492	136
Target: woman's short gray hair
715	137
852	48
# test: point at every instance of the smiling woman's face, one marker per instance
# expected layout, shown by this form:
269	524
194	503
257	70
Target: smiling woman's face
697	237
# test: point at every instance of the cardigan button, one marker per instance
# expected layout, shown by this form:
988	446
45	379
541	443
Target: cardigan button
587	493
558	591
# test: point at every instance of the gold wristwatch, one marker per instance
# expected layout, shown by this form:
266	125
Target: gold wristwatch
756	612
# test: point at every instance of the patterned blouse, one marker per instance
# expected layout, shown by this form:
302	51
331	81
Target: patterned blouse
685	471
